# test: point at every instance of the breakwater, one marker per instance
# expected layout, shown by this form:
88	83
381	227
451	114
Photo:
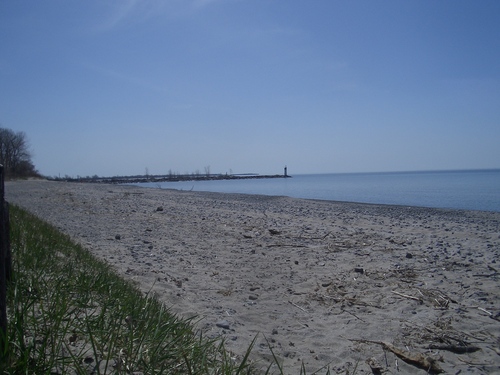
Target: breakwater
169	178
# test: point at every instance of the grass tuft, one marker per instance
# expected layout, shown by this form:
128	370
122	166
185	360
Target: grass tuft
70	313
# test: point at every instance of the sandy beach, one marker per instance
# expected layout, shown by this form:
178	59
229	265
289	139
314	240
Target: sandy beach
345	285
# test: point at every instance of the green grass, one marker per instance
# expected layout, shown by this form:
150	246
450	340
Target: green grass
70	313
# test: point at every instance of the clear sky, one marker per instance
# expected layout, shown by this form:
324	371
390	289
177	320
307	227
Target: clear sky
112	87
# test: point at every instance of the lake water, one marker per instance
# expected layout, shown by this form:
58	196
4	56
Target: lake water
470	190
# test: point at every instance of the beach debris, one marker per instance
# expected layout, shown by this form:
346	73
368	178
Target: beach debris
376	367
407	296
285	245
297	306
357	317
433	297
359	270
274	232
409	255
485	311
159	208
455	348
225	292
416	359
118	237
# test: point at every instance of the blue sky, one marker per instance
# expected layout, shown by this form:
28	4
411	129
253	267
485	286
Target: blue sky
112	87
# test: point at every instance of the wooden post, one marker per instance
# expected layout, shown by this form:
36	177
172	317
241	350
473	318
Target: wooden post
6	240
5	262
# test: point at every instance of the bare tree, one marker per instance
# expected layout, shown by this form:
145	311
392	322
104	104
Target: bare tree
207	170
15	155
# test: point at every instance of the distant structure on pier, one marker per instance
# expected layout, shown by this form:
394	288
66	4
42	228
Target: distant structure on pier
285	174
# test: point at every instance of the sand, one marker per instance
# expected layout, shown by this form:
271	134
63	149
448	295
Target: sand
308	278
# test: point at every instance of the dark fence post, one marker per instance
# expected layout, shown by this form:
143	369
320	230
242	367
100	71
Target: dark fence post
5	262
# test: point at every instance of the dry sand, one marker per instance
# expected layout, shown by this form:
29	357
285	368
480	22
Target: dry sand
306	276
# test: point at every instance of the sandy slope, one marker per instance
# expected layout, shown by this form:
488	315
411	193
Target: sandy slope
306	276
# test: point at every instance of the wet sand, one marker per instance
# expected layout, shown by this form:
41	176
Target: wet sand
323	283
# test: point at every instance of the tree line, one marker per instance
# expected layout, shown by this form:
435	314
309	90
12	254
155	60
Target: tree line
15	155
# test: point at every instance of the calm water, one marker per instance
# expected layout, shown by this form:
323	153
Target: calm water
471	190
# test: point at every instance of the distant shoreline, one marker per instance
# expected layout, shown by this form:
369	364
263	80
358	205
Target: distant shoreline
168	178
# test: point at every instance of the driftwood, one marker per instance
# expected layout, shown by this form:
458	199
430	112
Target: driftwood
416	359
407	296
357	317
485	311
297	306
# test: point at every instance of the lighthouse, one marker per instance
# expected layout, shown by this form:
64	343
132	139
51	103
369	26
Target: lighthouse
285	174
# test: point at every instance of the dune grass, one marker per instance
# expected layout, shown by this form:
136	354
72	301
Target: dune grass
70	313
